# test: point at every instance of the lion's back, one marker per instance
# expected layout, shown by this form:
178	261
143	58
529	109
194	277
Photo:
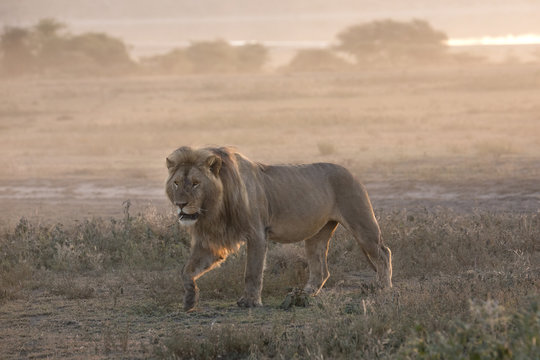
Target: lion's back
310	186
315	176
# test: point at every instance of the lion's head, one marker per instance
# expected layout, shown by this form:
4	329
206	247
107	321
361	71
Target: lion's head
194	185
210	196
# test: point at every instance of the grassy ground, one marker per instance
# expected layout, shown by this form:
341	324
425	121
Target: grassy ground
450	157
464	284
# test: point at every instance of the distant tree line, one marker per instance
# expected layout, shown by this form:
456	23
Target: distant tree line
48	48
379	43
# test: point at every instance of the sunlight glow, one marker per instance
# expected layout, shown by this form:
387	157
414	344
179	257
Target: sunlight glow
523	39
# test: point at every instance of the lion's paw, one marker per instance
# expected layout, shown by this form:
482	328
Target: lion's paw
248	303
191	299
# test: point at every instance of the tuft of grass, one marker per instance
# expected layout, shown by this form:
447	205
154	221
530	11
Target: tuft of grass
494	149
13	279
326	148
70	289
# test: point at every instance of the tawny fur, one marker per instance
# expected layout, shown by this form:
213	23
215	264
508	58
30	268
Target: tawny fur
239	201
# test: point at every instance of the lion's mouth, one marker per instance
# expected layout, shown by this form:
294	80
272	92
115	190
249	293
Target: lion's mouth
188	217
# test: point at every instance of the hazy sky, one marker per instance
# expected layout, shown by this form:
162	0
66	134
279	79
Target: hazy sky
164	22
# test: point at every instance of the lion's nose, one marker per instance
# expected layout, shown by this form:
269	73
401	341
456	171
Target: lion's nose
181	204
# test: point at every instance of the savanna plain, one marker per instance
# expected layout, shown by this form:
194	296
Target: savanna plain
91	253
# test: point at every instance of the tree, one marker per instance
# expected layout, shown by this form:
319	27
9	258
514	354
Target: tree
391	42
211	56
103	49
48	44
44	48
16	51
48	28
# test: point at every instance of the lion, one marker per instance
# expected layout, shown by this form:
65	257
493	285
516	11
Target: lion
224	200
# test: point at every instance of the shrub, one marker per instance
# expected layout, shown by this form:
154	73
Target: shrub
209	57
317	60
326	148
390	42
494	148
174	62
104	50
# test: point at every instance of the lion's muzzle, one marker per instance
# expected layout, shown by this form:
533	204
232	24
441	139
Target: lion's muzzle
185	218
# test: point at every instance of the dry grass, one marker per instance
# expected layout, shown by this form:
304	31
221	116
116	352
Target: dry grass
442	262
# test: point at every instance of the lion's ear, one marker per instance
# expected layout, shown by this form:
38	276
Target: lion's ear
214	164
170	164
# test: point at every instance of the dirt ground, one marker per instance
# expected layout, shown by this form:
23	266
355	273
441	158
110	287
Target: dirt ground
420	139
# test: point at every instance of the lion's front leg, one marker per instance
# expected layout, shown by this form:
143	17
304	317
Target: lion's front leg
256	254
201	261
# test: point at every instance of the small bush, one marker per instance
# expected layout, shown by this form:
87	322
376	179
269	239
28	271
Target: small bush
317	60
326	148
70	289
494	149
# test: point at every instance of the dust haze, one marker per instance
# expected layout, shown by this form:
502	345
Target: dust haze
433	131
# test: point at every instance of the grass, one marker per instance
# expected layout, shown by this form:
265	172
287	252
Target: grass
466	286
494	149
491	333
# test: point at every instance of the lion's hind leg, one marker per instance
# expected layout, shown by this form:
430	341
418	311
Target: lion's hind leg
316	252
378	255
365	229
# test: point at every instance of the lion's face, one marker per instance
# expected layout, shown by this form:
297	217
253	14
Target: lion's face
193	187
185	189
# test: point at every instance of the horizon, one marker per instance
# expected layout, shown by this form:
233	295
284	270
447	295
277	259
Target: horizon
493	45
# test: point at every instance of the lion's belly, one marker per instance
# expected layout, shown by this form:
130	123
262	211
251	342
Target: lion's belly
301	201
295	230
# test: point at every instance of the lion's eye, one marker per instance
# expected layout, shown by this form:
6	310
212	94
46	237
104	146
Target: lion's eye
175	184
195	184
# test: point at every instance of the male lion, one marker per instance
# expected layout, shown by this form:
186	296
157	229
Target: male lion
223	200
